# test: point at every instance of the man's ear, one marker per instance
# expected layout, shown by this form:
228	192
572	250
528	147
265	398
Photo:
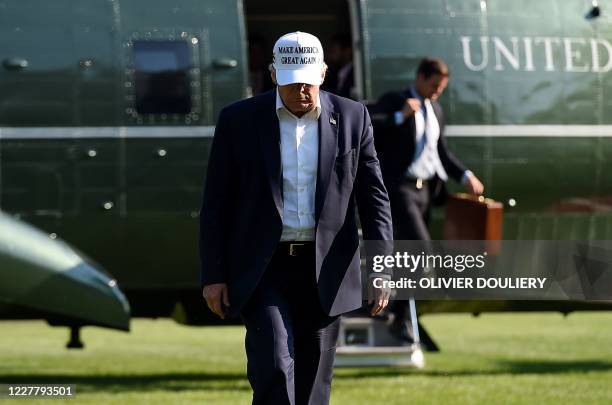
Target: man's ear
323	74
273	76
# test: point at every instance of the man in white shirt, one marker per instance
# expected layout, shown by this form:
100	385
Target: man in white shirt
415	161
412	149
278	234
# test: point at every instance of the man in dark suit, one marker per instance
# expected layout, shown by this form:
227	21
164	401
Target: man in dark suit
414	158
340	78
278	234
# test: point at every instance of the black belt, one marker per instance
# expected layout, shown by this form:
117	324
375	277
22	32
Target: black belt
417	183
295	249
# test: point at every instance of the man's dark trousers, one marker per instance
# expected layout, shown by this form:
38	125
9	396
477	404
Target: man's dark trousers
290	341
411	209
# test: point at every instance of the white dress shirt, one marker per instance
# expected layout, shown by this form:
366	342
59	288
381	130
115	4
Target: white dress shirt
426	162
299	158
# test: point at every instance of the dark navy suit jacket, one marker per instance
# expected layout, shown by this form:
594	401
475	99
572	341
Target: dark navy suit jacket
241	217
396	143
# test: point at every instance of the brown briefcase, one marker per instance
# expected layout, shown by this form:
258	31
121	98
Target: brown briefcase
473	218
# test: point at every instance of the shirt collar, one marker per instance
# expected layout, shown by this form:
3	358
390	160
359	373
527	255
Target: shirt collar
424	101
281	107
416	94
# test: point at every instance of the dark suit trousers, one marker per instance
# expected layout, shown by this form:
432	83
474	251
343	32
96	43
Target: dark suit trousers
290	342
410	210
411	213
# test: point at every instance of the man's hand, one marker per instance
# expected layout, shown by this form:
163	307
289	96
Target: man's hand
411	106
216	298
380	297
473	185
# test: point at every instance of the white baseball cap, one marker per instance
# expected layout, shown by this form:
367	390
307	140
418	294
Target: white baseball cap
298	58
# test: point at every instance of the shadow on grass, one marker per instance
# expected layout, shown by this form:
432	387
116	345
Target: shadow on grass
142	382
237	381
504	367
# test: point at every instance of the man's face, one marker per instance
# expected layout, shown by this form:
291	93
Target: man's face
299	98
432	87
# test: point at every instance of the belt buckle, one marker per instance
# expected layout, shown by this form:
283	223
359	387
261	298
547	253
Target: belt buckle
419	184
292	249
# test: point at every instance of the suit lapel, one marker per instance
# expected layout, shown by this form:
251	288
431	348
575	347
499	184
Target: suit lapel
269	137
329	122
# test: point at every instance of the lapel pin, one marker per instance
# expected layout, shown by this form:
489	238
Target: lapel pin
332	120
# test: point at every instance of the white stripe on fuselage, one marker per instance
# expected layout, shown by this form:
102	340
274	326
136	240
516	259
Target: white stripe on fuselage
562	131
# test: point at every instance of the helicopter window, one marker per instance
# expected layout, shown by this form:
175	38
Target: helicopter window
161	75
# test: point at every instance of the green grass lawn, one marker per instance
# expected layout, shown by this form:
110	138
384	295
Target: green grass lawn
538	358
